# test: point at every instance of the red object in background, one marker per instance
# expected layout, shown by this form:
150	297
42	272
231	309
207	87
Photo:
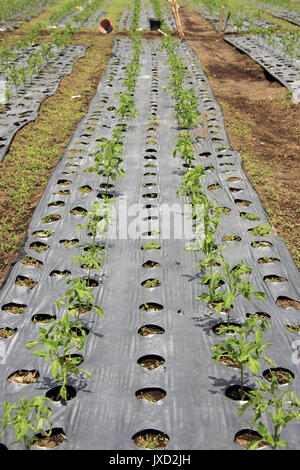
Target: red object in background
105	26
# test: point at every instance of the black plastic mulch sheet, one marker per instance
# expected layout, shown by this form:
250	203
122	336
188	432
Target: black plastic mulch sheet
291	16
25	107
14	22
244	23
146	13
106	413
281	66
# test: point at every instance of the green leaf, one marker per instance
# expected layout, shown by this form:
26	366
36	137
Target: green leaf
40	353
55	366
228	300
21	428
260	295
253	365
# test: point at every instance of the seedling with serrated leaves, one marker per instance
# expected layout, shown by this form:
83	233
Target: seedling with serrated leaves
28	417
190	184
126	108
108	158
98	221
280	406
79	299
207	215
185	147
59	342
234	286
245	353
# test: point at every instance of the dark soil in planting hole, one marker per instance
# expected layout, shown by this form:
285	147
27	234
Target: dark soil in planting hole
286	302
228	361
150	362
242	202
149	174
39	247
57	273
233	178
274	278
106	186
15	309
64	182
69	243
150	195
78	211
266	260
151	264
25	282
85	189
65	192
54	395
7	332
50	218
262	315
147	330
282	375
30	261
234	392
294	327
150	307
246	436
213	187
216	329
109	195
261	244
23	376
43	233
56	438
151	439
56	204
151	283
43	318
148	185
231	238
151	394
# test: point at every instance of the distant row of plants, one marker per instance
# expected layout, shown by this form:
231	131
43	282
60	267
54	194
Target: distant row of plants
36	60
62	342
12	7
243	345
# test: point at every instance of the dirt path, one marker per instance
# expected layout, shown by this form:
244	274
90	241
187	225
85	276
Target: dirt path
262	123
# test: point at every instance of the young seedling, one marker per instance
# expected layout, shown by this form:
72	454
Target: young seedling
245	353
28	417
59	342
79	299
186	149
281	408
234	286
108	158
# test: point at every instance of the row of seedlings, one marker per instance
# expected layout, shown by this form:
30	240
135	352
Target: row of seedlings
65	339
151	249
237	350
32	73
149	437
